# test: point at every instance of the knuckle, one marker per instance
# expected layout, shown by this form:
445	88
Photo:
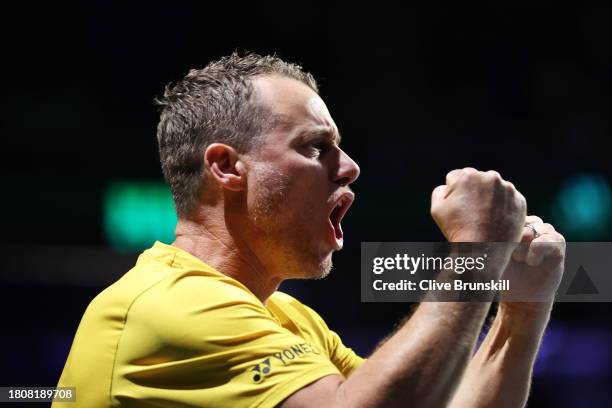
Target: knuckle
452	175
469	172
509	187
464	176
494	179
536	219
489	178
493	174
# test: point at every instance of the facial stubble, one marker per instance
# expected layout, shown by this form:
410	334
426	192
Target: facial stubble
280	226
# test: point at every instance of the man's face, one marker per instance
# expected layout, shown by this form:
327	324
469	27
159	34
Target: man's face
297	183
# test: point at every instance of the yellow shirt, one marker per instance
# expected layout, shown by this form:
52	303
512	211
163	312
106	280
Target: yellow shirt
175	332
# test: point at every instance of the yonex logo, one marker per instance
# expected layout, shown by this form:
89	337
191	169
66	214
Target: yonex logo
284	357
261	370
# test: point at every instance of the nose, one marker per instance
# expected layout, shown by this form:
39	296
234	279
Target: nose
347	171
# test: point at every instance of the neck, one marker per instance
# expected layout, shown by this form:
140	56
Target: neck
208	239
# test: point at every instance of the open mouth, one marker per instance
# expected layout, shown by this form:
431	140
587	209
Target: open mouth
340	208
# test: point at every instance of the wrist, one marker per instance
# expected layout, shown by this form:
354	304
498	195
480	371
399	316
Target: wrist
468	236
525	314
487	232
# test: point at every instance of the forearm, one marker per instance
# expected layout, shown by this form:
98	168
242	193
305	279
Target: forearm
423	362
499	375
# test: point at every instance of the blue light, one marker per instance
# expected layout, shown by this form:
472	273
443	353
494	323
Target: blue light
583	208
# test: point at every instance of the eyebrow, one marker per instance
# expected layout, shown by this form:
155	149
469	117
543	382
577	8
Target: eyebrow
323	132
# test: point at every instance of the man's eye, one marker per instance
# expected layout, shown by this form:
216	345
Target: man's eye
318	149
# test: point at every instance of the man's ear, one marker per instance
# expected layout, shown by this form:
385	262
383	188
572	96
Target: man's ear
223	163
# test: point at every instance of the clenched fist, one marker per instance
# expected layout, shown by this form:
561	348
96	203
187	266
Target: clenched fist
476	206
536	268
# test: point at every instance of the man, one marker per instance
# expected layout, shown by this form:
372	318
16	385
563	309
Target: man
261	186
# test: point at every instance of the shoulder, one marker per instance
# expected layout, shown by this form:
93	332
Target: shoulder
185	282
194	314
283	304
288	302
189	295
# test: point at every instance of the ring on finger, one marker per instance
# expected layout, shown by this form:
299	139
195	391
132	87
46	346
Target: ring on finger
535	231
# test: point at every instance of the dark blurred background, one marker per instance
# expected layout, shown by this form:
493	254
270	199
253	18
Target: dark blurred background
416	92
